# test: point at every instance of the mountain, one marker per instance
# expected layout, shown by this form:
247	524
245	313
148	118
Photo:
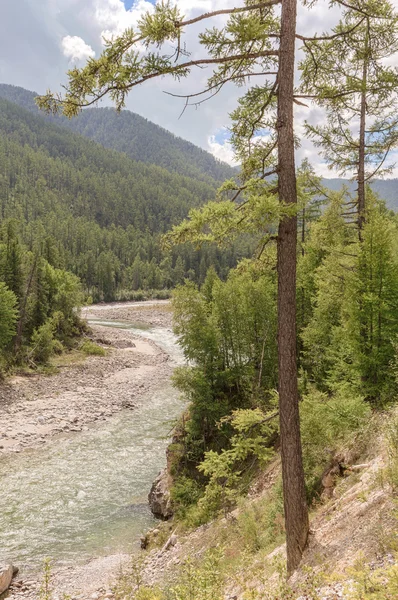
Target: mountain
97	212
129	133
385	188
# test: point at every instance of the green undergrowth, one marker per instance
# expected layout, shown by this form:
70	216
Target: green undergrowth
333	428
92	349
247	539
372	584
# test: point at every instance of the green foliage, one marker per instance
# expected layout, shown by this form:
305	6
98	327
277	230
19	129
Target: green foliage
351	289
224	470
91	349
345	69
227	331
372	584
261	523
392	447
124	131
327	424
8	315
43	343
45	587
198	580
95	212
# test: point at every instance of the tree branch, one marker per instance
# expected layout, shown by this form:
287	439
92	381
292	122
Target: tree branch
229	11
326	38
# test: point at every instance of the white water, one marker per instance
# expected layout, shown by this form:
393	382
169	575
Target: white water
86	495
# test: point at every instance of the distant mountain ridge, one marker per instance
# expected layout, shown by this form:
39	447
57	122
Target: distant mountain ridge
385	188
130	133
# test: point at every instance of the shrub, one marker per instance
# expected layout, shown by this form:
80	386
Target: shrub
8	315
261	523
43	344
92	349
326	424
377	584
392	447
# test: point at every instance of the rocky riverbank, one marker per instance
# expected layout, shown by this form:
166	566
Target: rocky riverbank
153	313
36	408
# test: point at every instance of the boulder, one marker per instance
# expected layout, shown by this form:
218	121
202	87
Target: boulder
6	575
159	496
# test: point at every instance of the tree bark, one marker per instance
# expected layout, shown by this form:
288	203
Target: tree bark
295	505
362	148
361	165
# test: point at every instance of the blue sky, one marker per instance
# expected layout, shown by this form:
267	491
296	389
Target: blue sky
129	3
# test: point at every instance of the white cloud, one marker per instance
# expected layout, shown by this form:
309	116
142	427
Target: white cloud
75	48
222	151
113	18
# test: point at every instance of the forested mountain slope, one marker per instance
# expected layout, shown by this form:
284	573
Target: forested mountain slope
385	188
128	132
94	211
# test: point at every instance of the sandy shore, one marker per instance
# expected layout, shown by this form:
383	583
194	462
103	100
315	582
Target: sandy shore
36	408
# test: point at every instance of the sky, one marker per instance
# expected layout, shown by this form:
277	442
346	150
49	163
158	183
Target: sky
41	39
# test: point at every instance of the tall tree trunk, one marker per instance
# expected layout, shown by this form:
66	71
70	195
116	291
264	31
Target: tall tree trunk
363	326
295	506
361	167
362	147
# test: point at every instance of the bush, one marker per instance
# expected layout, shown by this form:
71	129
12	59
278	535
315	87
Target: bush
8	315
262	523
197	581
373	584
326	424
43	343
91	349
392	447
185	492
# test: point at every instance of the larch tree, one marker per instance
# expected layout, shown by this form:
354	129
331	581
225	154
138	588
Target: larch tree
350	76
257	44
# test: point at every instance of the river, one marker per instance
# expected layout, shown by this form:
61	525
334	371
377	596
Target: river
85	495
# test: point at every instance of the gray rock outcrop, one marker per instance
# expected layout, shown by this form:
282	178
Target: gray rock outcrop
159	496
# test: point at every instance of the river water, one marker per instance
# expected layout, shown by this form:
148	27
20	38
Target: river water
85	495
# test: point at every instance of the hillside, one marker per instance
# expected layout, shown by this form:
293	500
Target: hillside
385	188
137	137
97	212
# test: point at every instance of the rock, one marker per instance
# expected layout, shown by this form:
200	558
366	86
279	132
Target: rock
6	575
144	542
159	497
124	344
172	541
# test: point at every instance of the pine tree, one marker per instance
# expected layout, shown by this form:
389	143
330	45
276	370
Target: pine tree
257	41
348	71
